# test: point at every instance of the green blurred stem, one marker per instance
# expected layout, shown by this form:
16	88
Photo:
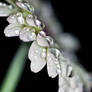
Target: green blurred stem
15	70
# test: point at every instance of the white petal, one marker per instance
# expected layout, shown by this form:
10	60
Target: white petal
27	35
20	18
5	10
30	20
38	23
37	61
16	18
41	39
12	19
51	66
12	30
25	6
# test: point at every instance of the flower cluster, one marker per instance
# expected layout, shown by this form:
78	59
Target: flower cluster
25	24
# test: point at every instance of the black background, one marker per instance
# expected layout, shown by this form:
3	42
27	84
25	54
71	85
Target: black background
76	19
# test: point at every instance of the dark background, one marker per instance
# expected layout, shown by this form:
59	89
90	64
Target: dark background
76	19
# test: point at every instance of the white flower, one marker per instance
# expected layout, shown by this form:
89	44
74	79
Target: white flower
38	61
27	35
17	28
42	51
43	40
12	30
52	62
39	55
30	20
16	18
33	21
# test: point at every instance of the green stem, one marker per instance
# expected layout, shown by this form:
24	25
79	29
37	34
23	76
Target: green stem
15	70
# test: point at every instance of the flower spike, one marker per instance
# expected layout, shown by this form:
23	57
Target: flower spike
24	23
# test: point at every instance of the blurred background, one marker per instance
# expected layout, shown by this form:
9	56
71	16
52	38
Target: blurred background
75	19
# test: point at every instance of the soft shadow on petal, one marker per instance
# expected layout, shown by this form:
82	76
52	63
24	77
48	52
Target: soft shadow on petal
37	62
12	30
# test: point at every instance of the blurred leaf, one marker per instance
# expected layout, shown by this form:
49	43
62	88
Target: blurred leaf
5	10
15	70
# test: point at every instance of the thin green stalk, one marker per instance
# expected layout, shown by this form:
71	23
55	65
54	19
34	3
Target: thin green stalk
15	70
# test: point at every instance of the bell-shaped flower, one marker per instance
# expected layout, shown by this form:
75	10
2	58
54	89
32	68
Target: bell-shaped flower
6	10
40	55
15	28
12	30
53	62
33	21
16	18
12	19
27	34
43	40
30	20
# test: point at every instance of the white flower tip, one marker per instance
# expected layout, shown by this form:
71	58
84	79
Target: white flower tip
12	30
37	62
12	19
33	69
53	76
